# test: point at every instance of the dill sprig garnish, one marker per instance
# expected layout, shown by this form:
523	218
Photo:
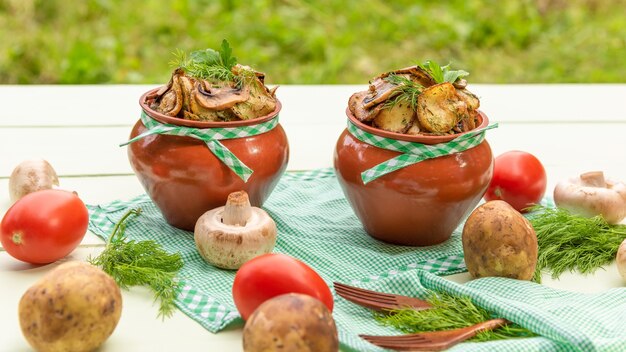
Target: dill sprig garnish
448	312
143	263
569	242
208	64
406	91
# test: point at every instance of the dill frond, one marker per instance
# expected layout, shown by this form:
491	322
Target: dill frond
569	242
143	263
406	91
448	312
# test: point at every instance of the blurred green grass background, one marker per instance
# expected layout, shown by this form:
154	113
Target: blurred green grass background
314	42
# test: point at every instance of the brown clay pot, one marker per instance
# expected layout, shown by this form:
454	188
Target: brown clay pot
418	205
183	177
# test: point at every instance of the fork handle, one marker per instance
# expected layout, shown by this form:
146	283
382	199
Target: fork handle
487	325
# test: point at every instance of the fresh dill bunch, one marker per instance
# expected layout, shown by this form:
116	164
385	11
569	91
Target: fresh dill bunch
442	74
569	242
448	312
406	91
208	64
143	263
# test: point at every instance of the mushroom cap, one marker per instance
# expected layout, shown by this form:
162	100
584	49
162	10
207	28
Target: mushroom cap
588	198
620	259
30	176
229	246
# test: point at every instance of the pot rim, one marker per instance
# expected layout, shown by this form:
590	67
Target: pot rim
201	124
484	122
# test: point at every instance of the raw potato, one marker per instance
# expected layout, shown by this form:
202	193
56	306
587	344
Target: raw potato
74	307
499	241
291	323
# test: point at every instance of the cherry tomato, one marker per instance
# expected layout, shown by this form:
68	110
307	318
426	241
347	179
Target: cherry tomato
44	226
271	275
518	179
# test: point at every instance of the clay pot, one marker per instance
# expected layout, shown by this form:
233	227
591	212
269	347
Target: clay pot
418	205
185	179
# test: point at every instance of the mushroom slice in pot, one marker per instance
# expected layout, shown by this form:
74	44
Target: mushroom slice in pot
171	102
195	111
379	91
219	97
469	98
397	118
355	104
439	108
415	74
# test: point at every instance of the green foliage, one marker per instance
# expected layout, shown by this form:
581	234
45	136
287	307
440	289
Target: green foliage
208	64
407	91
449	312
569	242
443	73
143	263
300	41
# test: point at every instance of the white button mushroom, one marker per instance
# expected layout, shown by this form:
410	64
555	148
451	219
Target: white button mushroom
591	194
620	259
229	236
30	176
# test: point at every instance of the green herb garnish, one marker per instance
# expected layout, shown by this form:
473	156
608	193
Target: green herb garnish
407	91
448	312
143	263
442	73
569	242
208	64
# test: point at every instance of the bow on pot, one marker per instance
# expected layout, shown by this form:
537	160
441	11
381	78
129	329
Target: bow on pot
211	137
413	153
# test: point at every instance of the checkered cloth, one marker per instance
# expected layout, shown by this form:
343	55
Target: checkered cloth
212	137
316	225
413	153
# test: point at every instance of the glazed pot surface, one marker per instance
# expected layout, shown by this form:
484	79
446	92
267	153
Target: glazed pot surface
418	205
185	179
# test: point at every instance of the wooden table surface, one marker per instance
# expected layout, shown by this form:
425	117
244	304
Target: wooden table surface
570	128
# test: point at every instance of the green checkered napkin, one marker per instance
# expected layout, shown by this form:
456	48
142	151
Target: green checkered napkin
316	225
212	137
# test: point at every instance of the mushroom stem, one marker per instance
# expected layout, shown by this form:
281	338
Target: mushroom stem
593	179
237	210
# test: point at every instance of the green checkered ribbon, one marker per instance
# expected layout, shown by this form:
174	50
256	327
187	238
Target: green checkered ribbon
413	153
212	137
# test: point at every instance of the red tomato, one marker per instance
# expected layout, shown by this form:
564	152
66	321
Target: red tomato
518	179
44	226
271	275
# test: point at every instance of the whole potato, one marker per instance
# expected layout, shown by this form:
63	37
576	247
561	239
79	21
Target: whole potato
499	241
291	322
74	307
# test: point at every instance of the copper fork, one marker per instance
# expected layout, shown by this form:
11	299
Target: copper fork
433	340
377	300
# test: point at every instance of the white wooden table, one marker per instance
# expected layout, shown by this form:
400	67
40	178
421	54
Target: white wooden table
570	128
